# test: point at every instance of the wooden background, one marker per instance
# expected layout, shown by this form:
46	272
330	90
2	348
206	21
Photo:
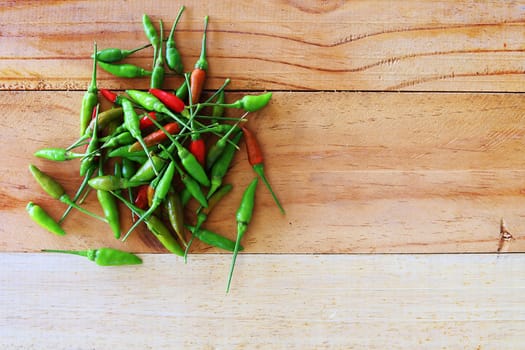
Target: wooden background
395	127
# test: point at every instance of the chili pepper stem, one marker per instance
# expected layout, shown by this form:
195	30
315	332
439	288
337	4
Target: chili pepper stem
141	218
73	252
186	251
234	258
66	200
259	169
78	194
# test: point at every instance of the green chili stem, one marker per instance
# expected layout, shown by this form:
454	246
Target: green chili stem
83	253
66	200
78	194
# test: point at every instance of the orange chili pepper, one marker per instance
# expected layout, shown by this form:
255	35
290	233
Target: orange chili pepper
198	75
256	159
156	137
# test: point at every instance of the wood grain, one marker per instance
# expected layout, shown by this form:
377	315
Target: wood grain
277	302
356	172
283	45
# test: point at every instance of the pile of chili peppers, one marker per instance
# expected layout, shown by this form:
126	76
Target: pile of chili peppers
154	151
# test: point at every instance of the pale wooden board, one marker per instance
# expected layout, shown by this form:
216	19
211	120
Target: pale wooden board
276	302
358	45
356	172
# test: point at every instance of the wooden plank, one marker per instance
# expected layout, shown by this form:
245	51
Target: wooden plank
356	172
358	45
462	301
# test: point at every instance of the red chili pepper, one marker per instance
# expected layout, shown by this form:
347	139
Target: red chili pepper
141	198
198	149
170	100
198	75
156	137
145	121
108	95
256	159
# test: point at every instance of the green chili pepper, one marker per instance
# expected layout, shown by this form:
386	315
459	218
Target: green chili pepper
128	168
151	103
193	187
105	118
214	239
132	123
146	172
202	213
191	164
125	70
55	190
216	149
123	152
103	256
42	218
90	99
121	139
111	55
221	165
218	109
173	58
109	207
151	34
157	77
250	103
112	182
243	216
155	225
57	154
182	91
175	209
88	162
161	190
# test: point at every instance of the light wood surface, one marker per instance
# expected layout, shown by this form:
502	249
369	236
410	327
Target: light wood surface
437	173
277	302
297	45
395	127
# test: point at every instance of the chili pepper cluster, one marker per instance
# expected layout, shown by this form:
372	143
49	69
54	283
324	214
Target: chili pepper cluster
154	151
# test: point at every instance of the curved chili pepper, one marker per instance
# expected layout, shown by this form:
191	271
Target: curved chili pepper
256	159
128	168
173	59
109	207
198	75
214	239
220	168
111	96
175	209
90	99
170	100
151	34
243	216
57	154
157	76
56	191
125	70
112	54
42	218
103	256
191	164
156	137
